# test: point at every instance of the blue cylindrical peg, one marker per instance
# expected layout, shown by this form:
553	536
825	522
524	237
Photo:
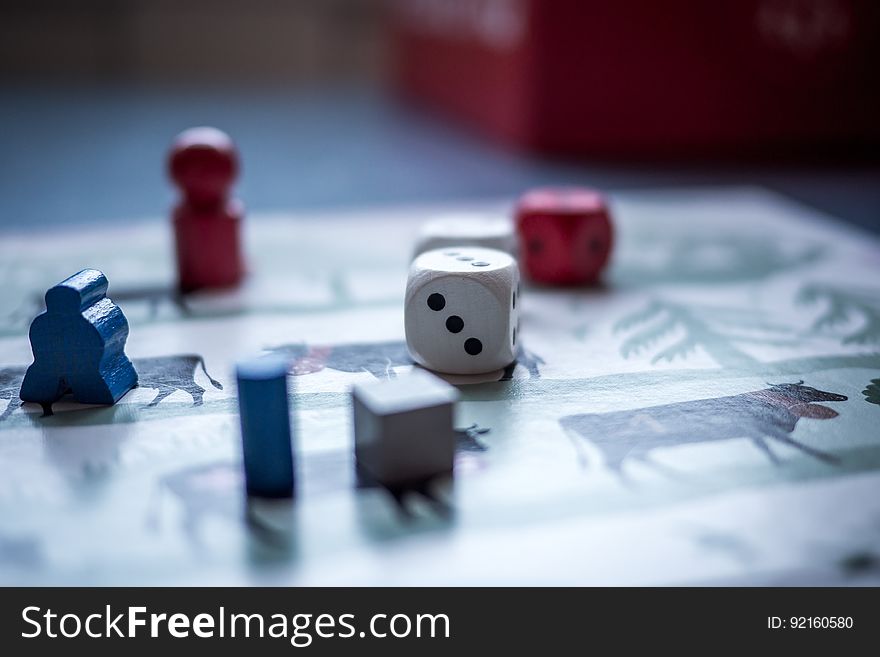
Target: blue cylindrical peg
265	426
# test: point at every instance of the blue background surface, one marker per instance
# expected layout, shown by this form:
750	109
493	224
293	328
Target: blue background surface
90	155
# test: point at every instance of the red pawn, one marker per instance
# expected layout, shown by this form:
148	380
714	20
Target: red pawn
565	235
204	163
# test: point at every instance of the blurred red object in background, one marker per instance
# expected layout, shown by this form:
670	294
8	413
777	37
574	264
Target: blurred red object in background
203	163
565	235
639	77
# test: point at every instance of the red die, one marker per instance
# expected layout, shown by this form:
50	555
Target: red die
203	163
565	235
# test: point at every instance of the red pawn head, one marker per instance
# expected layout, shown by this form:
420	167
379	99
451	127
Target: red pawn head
565	235
203	163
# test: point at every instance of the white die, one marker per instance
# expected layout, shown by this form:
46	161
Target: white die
462	309
466	229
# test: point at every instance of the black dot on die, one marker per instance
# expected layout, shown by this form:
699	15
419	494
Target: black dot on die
473	346
597	246
436	302
514	335
513	300
454	324
464	258
536	246
480	263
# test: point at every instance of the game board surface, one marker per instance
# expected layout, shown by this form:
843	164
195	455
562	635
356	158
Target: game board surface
710	415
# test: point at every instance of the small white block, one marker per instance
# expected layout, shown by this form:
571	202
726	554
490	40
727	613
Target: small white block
403	428
487	231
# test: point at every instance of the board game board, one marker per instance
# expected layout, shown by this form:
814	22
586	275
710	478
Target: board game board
710	415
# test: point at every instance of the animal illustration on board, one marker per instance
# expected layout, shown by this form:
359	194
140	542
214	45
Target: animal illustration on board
760	416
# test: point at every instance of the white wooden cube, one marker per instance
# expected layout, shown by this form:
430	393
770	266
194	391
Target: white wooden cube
467	229
403	428
461	310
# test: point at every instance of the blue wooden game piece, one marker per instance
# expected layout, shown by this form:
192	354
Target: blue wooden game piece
79	345
265	426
